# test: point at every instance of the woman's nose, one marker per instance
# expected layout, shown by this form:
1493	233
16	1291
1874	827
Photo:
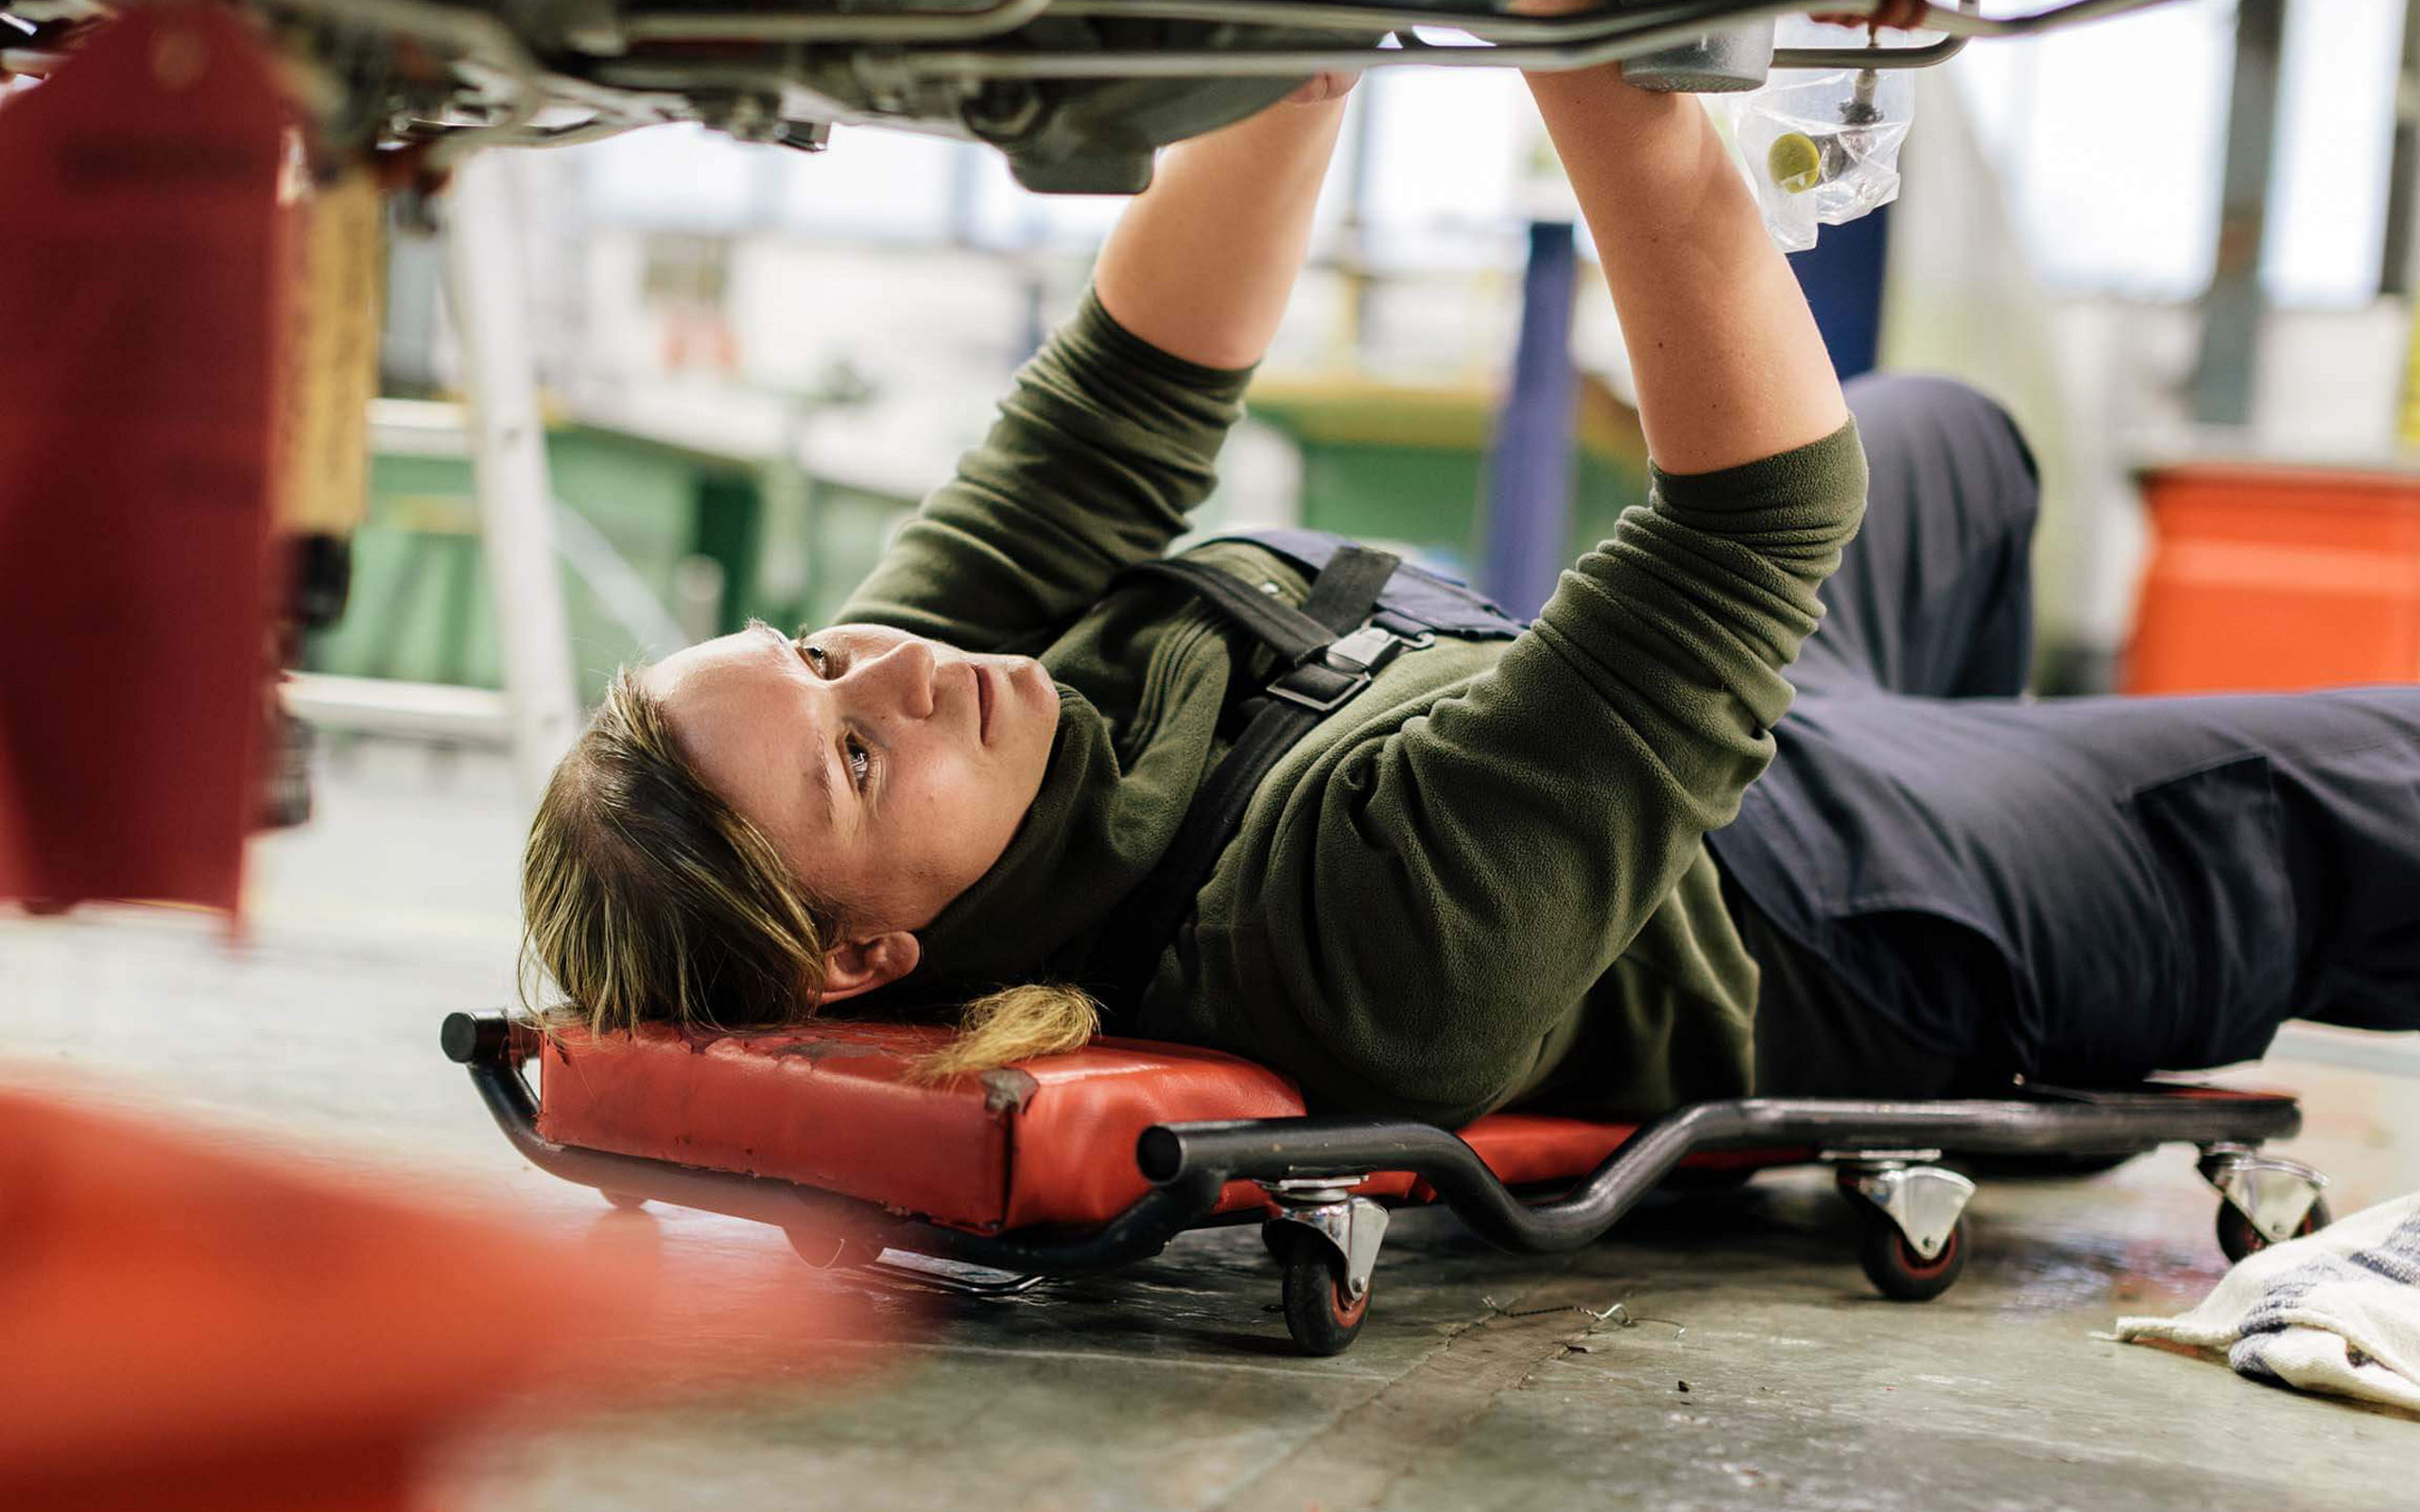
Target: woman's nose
902	678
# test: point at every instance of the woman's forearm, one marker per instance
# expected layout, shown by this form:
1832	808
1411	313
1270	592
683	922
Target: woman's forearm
1200	264
1729	364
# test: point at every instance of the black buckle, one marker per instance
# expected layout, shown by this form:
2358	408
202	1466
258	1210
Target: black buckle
1331	674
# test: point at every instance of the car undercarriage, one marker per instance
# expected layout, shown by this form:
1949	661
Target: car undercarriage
1077	93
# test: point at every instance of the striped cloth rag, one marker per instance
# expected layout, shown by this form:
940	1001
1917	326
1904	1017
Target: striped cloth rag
2335	1312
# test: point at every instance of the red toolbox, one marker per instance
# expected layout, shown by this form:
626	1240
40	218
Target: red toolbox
2271	578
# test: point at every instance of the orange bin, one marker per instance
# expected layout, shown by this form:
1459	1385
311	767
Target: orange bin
2276	576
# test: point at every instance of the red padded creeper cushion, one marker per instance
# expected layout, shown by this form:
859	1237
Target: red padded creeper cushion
1046	1142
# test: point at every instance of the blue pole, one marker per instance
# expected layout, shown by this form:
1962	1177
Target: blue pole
1842	276
1529	484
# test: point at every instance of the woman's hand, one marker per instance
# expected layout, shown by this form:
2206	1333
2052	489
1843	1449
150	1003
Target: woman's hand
1906	15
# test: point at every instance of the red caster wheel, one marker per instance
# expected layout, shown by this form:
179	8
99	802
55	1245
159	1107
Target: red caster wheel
1896	1270
1318	1314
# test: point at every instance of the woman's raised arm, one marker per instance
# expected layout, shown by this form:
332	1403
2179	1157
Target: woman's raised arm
1202	264
1109	434
1729	364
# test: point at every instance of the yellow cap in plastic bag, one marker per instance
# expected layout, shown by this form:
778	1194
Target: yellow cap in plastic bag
1795	163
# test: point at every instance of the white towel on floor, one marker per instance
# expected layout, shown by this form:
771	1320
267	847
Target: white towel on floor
2338	1311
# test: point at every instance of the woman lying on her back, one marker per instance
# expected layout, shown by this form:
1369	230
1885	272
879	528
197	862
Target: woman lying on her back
1493	872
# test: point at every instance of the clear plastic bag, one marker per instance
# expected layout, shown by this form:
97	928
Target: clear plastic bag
1821	148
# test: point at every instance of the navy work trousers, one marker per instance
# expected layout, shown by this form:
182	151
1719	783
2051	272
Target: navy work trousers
1947	883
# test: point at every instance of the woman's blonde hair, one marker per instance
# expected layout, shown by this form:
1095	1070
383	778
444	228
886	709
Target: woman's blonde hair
645	897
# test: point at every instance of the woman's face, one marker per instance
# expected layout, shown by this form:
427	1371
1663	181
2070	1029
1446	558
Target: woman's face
889	770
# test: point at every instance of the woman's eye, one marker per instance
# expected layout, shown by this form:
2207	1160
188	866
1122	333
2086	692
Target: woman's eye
860	761
817	657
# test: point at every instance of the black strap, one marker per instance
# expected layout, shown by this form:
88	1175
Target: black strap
1310	684
1290	632
1346	591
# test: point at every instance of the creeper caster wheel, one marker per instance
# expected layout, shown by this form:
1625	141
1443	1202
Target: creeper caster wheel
1326	1242
1911	1224
2238	1236
2266	1197
1895	1267
1319	1314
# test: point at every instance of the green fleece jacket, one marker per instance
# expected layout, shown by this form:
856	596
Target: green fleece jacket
1481	881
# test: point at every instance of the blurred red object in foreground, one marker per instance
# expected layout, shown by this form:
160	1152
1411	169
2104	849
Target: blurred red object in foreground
193	1329
141	247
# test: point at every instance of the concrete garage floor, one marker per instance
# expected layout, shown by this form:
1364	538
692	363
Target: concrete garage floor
1171	1384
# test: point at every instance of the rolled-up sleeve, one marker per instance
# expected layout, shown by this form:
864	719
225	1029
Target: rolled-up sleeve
1101	446
1442	893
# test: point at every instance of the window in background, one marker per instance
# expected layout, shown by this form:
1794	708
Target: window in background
1447	159
872	186
682	176
2112	139
877	185
2336	130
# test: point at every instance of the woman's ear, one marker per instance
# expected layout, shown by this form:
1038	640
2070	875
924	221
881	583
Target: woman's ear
860	966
